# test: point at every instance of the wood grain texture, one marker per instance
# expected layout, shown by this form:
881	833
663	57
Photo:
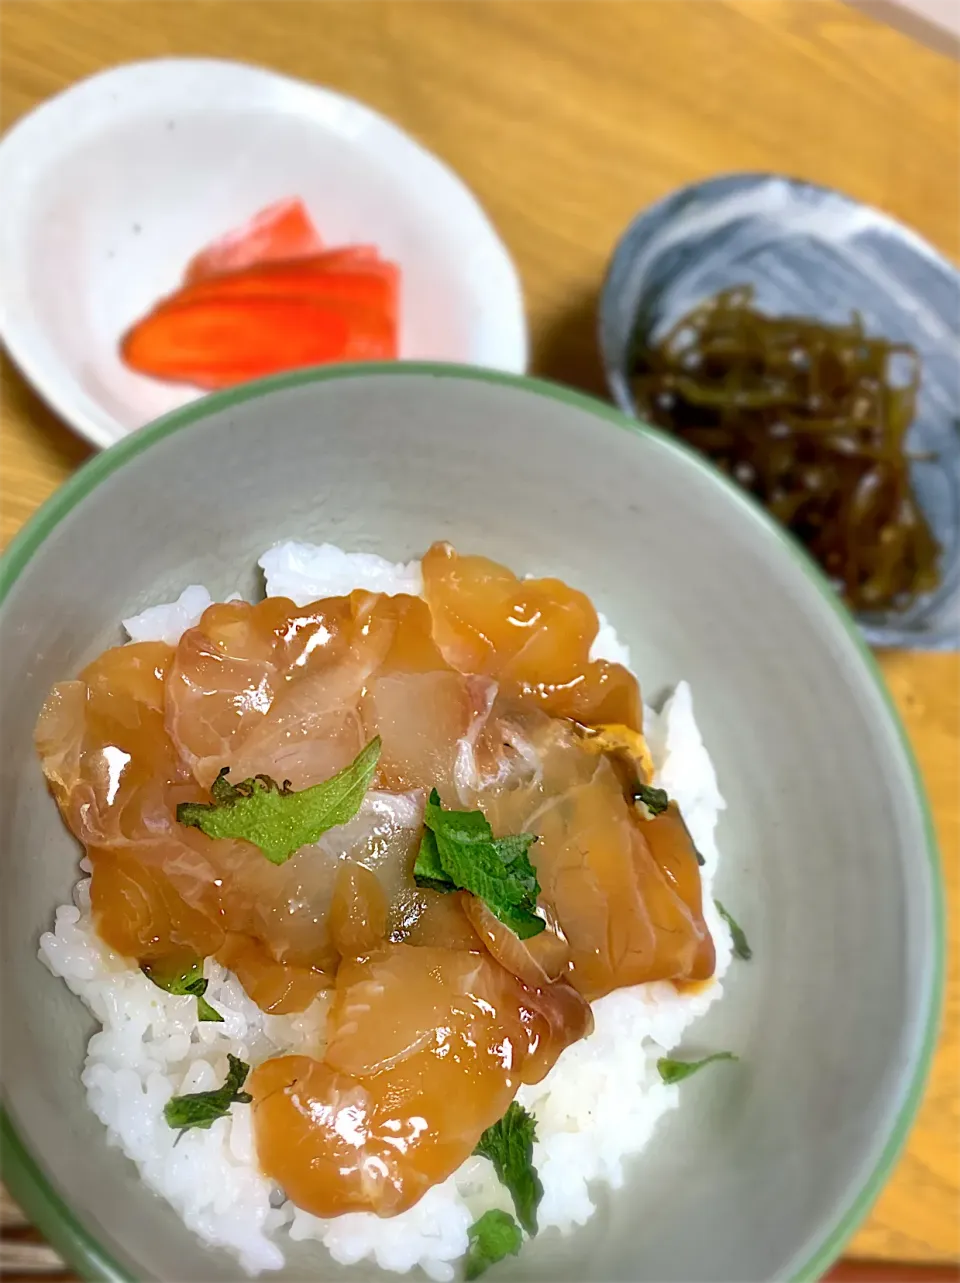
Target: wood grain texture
565	119
853	1270
935	23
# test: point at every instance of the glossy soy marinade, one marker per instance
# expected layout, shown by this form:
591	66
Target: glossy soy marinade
482	696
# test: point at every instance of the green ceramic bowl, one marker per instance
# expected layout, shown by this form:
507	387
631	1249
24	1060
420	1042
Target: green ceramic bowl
765	1169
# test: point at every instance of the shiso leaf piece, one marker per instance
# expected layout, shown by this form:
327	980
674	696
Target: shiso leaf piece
277	819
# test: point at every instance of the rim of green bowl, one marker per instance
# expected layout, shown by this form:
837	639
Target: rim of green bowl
25	1178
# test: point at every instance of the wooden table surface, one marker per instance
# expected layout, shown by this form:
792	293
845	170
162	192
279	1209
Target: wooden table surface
565	119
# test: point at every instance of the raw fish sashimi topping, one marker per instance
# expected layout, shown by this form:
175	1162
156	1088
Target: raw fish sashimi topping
435	814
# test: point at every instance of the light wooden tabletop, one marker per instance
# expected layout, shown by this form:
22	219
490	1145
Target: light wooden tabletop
565	119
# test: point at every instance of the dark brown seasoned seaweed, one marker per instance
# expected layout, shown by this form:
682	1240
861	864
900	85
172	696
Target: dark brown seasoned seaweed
812	419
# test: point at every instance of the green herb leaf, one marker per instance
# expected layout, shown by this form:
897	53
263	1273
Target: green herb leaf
495	1235
741	948
428	871
205	1011
512	850
656	801
651	802
458	850
509	1146
674	1071
278	819
186	980
202	1108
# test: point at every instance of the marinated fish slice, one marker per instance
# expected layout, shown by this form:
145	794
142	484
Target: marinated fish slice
58	739
274	689
230	668
138	911
627	915
413	648
280	988
384	837
532	635
426	1048
156	884
190	889
102	743
486	620
537	961
338	1144
422	720
667	840
110	763
357	922
151	899
283	906
313	728
624	746
403	999
439	922
312	731
287	906
391	1006
555	1016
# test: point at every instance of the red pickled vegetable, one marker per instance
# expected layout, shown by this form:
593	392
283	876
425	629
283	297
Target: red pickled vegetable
283	230
367	282
266	297
217	342
348	256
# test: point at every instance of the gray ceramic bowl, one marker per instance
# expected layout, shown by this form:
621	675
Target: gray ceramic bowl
809	251
829	857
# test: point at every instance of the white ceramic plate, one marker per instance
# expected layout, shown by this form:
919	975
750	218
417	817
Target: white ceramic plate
112	186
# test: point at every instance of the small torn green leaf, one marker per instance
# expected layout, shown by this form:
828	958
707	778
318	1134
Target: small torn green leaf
277	819
651	802
509	1146
654	800
201	1109
427	870
205	1011
183	979
495	1235
741	949
458	851
674	1071
513	851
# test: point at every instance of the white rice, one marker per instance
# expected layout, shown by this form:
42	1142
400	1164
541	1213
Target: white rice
168	623
595	1110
